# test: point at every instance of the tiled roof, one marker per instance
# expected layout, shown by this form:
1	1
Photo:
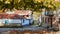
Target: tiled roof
16	14
22	12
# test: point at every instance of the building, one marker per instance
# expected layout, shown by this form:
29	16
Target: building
20	17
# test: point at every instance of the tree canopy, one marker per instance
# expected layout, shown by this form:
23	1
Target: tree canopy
30	4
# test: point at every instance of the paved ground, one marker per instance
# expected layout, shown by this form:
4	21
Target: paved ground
32	28
23	28
58	32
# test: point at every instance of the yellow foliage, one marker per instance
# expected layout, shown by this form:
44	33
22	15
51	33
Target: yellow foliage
7	2
35	15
